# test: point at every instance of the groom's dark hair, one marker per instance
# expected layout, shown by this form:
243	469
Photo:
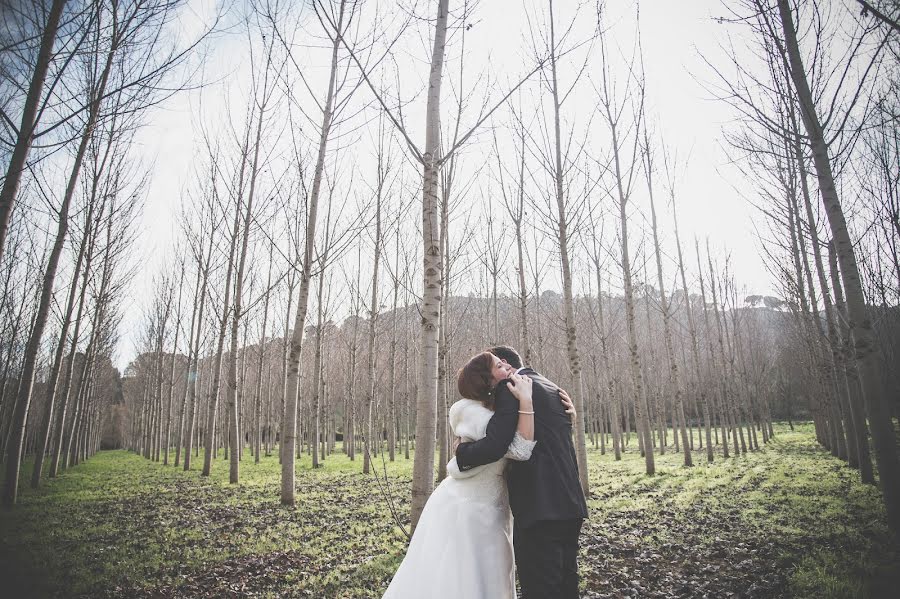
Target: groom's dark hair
511	356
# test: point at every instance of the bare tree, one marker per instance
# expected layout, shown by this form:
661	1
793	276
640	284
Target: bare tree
383	166
665	308
339	25
84	257
692	329
95	92
564	214
30	116
432	267
514	201
203	260
624	170
172	361
613	404
257	394
892	22
213	403
860	323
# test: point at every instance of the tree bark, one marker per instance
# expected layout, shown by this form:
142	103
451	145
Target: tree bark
210	446
171	394
675	381
203	267
289	426
257	395
568	297
189	380
53	381
23	401
25	134
426	405
851	373
860	324
373	311
695	347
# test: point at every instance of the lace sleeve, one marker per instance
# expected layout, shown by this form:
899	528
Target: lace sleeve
520	449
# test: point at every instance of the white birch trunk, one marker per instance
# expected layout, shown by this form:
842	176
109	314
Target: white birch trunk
423	467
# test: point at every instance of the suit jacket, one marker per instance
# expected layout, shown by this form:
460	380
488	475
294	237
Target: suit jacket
545	487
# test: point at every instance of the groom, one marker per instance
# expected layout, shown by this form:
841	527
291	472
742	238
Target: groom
545	493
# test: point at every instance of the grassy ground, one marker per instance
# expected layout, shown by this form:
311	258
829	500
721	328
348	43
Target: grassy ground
787	521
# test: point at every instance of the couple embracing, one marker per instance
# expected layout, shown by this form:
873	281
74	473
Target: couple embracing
513	483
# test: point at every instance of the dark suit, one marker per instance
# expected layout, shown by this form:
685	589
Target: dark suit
544	492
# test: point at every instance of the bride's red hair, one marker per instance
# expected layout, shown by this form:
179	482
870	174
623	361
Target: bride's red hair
475	380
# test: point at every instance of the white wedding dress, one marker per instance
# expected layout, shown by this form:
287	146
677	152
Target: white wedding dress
462	547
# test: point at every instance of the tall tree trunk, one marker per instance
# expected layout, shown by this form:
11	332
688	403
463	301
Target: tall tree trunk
443	440
98	324
69	457
210	445
426	406
235	442
351	378
392	384
158	402
728	400
718	407
23	400
190	378
880	422
194	357
812	324
835	375
257	395
614	401
373	309
171	393
317	399
269	434
563	240
678	421
851	373
407	386
25	133
642	415
695	347
53	381
9	388
516	209
289	426
285	354
804	319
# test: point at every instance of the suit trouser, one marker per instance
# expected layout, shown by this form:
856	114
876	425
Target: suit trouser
547	559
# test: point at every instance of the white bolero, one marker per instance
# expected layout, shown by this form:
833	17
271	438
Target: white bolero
469	420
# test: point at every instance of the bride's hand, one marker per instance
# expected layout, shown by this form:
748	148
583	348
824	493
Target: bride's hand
568	404
520	387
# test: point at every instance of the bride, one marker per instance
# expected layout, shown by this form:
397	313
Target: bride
462	547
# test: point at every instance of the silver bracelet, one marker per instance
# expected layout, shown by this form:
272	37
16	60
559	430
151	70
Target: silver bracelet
521	412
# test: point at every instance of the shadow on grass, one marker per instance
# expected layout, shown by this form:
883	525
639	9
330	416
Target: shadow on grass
786	521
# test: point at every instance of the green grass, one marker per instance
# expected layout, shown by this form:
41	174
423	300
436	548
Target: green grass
791	510
789	520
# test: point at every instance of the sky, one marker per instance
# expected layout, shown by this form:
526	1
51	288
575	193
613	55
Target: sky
677	40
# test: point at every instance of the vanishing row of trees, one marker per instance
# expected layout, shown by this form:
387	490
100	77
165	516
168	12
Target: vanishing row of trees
332	403
79	75
732	358
820	133
285	314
